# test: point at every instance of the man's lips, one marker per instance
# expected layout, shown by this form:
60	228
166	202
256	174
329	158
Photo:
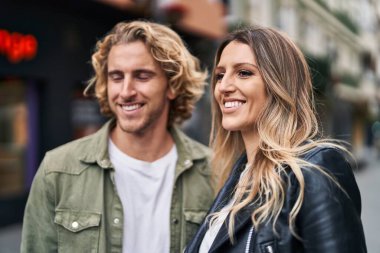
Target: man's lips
131	106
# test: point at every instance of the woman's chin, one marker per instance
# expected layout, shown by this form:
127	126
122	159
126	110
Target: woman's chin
231	127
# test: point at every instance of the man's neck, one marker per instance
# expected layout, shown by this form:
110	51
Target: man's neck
148	146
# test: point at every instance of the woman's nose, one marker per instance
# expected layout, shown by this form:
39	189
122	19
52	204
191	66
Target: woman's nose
226	84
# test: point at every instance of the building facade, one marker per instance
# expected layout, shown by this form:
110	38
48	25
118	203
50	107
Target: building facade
341	41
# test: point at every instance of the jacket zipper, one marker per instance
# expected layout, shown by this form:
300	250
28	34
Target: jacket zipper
269	249
250	235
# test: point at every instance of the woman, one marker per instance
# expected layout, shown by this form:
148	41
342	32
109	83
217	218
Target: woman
285	189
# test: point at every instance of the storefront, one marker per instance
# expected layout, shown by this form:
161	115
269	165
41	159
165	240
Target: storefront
44	63
45	50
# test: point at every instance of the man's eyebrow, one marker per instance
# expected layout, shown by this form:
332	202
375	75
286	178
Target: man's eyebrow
140	70
115	71
145	70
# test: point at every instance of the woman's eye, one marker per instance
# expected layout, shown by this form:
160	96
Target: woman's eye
219	77
245	73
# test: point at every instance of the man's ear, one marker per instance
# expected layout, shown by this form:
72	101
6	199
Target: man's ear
171	94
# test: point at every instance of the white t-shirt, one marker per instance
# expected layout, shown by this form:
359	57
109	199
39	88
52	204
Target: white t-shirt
213	230
145	190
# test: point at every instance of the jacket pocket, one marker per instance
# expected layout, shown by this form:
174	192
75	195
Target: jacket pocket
193	221
77	230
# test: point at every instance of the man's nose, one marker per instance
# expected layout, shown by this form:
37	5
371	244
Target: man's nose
128	88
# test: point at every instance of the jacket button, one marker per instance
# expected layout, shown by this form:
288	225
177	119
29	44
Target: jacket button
187	162
104	163
75	225
175	221
116	221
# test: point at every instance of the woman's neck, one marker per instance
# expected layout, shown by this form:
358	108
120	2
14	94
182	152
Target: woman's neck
251	142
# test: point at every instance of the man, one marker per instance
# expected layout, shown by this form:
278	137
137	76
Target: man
138	184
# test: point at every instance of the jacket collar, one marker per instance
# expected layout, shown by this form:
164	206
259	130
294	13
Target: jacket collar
188	151
243	216
95	150
220	201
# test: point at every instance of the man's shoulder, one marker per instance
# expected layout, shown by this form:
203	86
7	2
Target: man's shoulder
192	146
71	146
70	155
199	146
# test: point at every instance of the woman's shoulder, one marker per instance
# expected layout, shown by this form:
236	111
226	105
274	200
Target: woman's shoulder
330	172
331	159
326	168
323	149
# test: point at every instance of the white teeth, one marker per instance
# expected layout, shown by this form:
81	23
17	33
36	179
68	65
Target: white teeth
233	104
131	107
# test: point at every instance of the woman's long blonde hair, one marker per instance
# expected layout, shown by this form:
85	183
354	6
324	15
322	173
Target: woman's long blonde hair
287	128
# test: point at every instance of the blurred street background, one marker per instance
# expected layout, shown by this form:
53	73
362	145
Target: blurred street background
45	50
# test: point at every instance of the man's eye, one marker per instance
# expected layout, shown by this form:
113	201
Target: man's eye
144	76
219	77
245	73
115	77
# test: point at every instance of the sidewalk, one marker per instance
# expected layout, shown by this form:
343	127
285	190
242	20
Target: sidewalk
10	238
368	180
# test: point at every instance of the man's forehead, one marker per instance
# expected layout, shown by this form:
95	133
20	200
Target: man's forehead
133	54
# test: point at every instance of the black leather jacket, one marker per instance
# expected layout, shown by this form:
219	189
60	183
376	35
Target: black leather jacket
328	222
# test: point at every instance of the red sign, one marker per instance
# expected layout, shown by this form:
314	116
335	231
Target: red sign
17	47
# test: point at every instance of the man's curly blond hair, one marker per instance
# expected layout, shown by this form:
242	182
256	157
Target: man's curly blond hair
182	69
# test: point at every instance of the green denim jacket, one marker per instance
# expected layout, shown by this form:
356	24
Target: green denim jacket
73	204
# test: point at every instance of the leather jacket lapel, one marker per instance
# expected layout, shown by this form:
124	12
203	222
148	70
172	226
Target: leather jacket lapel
242	218
220	201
